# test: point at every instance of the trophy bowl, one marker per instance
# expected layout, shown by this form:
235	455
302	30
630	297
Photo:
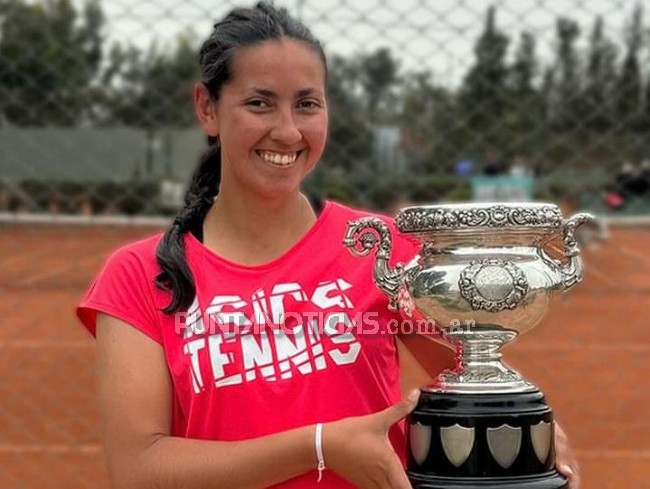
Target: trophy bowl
485	273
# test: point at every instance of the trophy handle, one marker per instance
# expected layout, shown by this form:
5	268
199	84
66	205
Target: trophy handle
366	234
572	271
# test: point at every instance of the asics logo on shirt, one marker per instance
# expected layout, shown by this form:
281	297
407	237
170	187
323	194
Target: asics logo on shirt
238	340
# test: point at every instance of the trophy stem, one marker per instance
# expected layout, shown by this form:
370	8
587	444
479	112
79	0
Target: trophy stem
480	367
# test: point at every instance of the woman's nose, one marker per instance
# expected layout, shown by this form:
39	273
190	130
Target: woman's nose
285	129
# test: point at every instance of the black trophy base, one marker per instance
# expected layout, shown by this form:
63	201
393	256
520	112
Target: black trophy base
553	480
482	441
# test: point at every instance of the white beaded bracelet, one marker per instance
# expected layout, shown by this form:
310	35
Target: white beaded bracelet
318	442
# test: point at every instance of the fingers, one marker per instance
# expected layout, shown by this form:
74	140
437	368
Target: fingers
571	472
393	414
567	465
358	448
397	477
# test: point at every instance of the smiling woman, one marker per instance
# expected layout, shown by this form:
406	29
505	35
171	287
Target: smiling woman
271	115
195	390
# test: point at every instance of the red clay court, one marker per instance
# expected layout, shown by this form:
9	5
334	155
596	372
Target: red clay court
590	357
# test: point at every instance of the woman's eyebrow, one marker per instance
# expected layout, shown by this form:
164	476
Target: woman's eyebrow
265	92
308	91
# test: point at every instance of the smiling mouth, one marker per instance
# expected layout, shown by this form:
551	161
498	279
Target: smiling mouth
279	159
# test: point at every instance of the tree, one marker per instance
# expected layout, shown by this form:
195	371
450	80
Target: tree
629	87
484	90
378	72
601	77
525	112
645	116
524	68
568	82
350	138
49	53
430	124
152	90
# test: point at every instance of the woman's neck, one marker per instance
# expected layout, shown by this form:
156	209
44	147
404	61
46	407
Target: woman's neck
256	232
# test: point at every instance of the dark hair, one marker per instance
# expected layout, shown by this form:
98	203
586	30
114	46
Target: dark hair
241	27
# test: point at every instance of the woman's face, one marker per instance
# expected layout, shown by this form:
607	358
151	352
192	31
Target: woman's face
271	117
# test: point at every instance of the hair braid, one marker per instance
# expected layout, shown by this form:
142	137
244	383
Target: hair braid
175	275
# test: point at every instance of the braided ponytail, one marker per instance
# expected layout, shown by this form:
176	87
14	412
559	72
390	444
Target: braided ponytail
175	275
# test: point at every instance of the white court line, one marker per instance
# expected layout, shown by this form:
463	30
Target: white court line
590	269
625	221
639	257
77	220
41	344
36	218
637	454
625	347
543	346
37	448
34	279
97	448
590	266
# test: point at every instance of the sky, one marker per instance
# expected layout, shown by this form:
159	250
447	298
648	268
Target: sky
433	35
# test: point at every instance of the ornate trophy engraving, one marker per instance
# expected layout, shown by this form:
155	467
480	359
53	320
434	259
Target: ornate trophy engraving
485	273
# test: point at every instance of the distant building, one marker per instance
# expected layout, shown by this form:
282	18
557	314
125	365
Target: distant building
96	154
386	149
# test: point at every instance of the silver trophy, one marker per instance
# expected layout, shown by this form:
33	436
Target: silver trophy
484	274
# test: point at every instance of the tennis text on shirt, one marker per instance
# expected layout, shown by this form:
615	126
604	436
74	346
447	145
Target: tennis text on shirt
254	338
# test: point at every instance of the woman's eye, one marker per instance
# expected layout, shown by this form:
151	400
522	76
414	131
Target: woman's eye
309	104
259	104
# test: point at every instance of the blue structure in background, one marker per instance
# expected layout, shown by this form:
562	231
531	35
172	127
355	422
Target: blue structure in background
502	188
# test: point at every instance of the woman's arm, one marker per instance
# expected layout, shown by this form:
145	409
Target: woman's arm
421	360
135	393
135	401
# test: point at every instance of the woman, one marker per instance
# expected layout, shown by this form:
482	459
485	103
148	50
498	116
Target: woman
227	352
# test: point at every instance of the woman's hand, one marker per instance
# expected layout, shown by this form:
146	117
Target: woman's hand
565	460
358	449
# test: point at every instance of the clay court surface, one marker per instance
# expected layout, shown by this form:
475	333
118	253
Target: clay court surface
590	356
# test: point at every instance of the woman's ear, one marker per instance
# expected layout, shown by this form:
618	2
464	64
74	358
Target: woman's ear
206	109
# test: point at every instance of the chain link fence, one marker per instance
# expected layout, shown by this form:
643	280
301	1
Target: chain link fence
446	100
550	98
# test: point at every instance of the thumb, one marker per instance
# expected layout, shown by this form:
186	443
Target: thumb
393	414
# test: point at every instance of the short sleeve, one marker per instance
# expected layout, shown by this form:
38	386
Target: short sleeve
124	289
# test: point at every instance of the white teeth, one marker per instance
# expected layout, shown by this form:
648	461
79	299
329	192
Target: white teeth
277	158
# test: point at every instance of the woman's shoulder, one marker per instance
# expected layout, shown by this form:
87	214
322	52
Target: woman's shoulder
404	245
124	288
351	212
140	253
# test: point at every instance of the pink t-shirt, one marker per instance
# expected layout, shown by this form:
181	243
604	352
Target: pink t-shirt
303	339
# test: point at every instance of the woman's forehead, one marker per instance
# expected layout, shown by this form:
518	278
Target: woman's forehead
278	62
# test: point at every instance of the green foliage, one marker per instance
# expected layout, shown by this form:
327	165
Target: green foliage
378	74
383	193
49	55
585	108
70	196
600	80
350	137
629	87
129	197
153	89
483	95
569	83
